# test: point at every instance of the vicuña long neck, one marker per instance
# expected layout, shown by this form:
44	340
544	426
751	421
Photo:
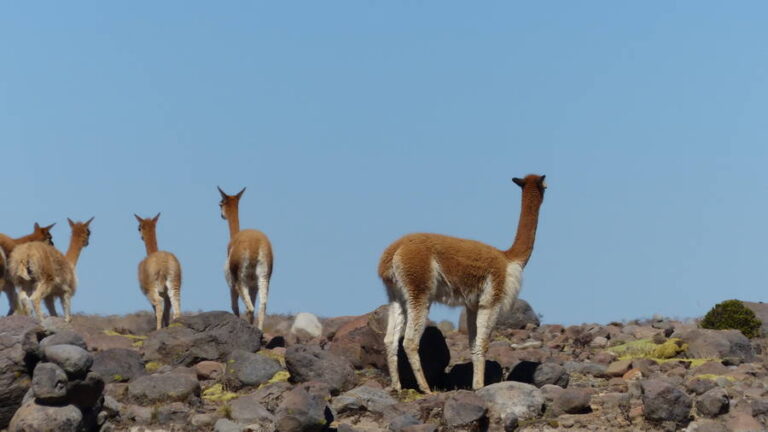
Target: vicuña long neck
234	223
73	252
526	228
150	242
26	239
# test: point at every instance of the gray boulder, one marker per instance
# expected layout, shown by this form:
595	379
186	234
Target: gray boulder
551	373
522	400
312	363
664	402
464	410
86	393
363	398
205	336
164	387
713	403
63	337
361	340
118	364
19	352
49	383
250	369
301	411
32	417
572	401
247	410
761	312
74	360
721	344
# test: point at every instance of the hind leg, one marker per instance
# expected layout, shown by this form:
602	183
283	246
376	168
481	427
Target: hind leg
13	298
157	304
246	296
50	306
486	319
36	299
263	291
395	325
417	311
175	295
66	305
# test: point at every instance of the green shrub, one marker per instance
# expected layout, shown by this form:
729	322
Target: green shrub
732	314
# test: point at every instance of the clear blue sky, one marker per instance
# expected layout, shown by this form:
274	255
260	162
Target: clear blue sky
352	123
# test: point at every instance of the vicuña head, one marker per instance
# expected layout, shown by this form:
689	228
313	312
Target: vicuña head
229	203
39	233
419	269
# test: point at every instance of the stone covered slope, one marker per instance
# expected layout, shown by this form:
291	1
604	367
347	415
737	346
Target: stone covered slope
213	371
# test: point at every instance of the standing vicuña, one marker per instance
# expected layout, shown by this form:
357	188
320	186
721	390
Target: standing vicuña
7	244
419	269
249	261
159	274
41	273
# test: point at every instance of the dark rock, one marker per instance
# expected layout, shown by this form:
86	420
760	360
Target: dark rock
551	373
464	409
63	337
19	352
460	375
713	403
361	340
572	401
510	422
250	369
247	410
87	392
420	428
665	402
586	368
276	342
435	357
205	336
32	417
516	317
363	398
118	364
759	407
74	360
312	363
523	372
49	383
704	343
271	395
174	412
165	387
301	411
397	424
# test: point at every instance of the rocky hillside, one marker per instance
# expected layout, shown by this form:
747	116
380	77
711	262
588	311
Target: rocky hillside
213	371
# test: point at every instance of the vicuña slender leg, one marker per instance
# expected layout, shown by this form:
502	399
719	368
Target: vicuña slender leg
234	296
417	311
157	303
66	305
471	325
13	298
174	292
246	295
36	299
395	325
263	289
486	319
50	306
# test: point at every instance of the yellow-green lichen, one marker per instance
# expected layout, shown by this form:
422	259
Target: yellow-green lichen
153	366
216	393
660	353
126	335
274	356
280	376
713	377
173	325
409	395
118	378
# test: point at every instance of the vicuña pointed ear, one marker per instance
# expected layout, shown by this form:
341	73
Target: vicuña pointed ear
89	221
518	181
543	181
223	195
157	216
138	218
71	224
50	226
37	226
239	194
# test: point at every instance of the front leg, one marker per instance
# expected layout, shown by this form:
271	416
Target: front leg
486	319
